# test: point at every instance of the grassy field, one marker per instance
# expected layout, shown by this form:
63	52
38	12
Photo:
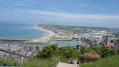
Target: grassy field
108	62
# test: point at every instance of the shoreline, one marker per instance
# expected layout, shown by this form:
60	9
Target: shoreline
46	38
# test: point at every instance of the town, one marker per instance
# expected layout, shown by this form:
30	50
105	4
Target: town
84	38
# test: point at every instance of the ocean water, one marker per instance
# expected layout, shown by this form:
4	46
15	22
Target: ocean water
19	31
24	31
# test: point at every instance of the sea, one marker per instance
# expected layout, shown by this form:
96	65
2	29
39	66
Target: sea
27	32
19	31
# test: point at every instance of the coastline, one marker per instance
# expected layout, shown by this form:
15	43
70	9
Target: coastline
46	38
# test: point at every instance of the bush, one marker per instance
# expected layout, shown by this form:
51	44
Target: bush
47	52
106	52
103	51
66	53
89	57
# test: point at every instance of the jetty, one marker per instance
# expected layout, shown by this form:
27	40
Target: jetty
13	40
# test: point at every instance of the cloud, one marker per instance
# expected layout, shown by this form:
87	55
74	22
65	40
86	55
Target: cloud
76	16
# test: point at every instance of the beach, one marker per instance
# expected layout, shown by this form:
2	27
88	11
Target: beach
47	36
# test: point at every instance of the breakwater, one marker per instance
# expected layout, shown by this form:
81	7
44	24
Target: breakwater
13	40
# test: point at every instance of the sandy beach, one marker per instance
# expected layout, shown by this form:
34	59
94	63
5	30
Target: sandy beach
46	38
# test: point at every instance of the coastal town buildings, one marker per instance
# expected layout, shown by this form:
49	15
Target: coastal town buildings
29	51
83	38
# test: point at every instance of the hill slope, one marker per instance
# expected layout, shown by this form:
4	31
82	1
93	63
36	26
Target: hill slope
108	62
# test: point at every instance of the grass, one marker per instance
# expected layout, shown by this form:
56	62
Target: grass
108	62
29	63
40	62
43	62
8	62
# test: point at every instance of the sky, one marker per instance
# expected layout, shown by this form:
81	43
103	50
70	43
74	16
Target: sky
94	13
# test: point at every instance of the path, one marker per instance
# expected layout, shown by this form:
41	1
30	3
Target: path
60	64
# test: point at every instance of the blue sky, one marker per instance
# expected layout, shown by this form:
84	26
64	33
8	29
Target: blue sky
101	13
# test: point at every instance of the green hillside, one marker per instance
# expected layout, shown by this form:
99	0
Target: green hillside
108	62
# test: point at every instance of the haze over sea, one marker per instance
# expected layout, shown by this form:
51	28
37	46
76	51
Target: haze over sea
19	31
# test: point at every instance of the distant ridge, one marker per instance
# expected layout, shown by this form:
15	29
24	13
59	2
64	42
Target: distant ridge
113	30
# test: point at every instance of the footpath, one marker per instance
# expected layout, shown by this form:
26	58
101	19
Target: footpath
60	64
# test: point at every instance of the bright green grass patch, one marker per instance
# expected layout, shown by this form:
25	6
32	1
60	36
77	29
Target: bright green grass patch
108	62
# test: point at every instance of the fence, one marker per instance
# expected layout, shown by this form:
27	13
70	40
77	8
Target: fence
56	62
21	60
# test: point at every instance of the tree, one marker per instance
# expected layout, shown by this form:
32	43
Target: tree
105	52
54	51
83	50
68	52
46	52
